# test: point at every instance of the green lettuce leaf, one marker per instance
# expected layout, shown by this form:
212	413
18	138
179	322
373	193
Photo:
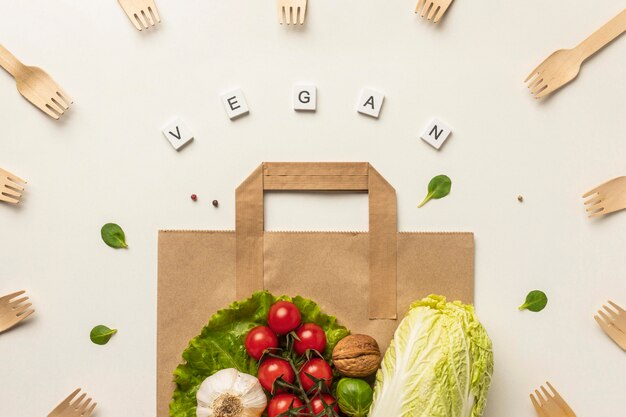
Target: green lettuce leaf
439	364
220	345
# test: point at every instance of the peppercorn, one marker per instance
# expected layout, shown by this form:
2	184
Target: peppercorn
194	197
215	203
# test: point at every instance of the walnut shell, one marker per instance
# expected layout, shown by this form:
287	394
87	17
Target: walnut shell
357	356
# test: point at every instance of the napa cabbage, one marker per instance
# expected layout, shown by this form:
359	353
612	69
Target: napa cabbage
439	364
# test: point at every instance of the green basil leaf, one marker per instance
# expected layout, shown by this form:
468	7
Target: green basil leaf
101	335
438	187
535	301
113	236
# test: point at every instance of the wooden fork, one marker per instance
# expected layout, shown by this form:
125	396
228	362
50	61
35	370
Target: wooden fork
433	9
142	13
606	198
291	11
10	188
550	405
13	311
563	66
613	322
76	408
36	86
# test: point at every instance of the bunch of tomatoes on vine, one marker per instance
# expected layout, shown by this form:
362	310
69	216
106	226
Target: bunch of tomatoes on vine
292	368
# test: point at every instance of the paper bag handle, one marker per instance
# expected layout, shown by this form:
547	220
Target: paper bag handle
320	176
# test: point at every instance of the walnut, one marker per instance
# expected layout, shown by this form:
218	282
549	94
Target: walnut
357	356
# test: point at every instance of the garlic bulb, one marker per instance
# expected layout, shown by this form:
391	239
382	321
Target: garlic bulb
230	393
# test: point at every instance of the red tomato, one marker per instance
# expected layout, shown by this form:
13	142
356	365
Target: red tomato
282	403
319	369
318	406
311	336
273	368
283	317
259	339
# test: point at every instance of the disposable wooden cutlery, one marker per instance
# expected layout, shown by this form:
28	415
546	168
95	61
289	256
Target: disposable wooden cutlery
433	9
606	198
13	310
563	66
36	86
613	321
10	187
550	404
71	407
291	11
142	13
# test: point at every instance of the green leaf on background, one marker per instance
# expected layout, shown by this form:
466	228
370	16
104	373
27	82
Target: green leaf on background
438	187
113	236
535	301
220	345
101	335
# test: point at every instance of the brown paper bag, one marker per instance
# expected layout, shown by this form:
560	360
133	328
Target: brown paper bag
367	280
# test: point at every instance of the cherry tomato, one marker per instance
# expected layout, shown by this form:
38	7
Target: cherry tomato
319	369
259	339
311	336
283	317
282	403
318	406
273	368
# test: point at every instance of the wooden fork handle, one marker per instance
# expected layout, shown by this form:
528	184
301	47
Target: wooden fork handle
9	62
603	36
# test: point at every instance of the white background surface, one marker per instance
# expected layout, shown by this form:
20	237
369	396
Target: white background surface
108	161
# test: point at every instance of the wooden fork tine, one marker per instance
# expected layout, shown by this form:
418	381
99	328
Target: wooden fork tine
14	185
148	17
542	400
56	106
281	11
70	397
433	11
593	200
88	412
618	337
15	178
618	308
11	296
548	90
18	301
84	406
537	406
77	402
606	318
614	314
303	13
24	316
441	12
420	5
427	7
560	401
152	8
22	308
8	199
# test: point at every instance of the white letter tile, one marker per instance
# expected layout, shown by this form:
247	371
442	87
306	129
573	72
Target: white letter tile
371	102
305	97
235	104
177	133
436	133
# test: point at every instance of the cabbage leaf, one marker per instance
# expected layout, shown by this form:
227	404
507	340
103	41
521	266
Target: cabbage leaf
439	364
